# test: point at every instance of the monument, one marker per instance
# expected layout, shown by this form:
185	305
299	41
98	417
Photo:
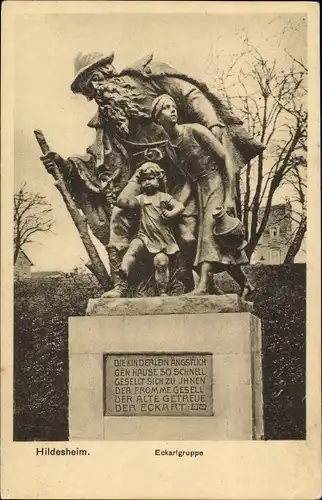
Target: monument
178	360
166	368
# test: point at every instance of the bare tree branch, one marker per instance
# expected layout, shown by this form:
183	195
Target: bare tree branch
271	99
32	215
297	241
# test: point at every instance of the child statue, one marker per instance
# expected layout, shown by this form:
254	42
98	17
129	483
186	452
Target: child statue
155	234
201	157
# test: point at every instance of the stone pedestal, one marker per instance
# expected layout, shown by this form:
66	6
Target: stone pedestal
170	368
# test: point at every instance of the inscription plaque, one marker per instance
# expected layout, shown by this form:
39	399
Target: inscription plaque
148	384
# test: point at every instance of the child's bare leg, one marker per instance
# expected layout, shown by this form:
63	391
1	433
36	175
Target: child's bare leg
240	277
161	270
205	279
129	259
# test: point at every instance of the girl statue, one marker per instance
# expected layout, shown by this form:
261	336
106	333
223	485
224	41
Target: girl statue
201	157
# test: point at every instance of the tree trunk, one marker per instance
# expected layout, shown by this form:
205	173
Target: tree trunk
238	198
246	201
16	253
297	242
253	237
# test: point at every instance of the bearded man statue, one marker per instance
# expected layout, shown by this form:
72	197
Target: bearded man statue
126	137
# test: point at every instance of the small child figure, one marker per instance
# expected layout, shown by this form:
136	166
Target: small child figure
155	234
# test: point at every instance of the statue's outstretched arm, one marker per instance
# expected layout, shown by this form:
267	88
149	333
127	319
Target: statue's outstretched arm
127	202
211	143
202	111
52	159
176	208
207	140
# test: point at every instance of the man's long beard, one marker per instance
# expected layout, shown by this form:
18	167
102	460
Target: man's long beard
120	103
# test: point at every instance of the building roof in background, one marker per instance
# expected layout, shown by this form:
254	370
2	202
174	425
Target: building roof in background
21	252
278	213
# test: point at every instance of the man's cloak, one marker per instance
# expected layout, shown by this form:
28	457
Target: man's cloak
246	145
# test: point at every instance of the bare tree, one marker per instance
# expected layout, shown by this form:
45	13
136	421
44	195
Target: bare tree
298	181
32	215
272	101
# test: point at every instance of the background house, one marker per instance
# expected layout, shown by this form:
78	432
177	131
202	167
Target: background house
276	239
22	267
47	274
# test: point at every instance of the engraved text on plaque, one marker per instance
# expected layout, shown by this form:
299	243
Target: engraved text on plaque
169	384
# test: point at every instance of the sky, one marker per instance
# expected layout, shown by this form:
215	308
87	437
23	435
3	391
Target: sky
45	48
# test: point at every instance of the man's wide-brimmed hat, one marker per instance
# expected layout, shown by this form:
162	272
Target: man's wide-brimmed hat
85	63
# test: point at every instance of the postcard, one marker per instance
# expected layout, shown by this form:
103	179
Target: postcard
160	250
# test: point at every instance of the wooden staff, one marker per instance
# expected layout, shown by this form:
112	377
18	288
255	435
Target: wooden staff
96	265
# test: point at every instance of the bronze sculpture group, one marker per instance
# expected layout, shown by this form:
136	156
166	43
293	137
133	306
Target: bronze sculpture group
160	176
